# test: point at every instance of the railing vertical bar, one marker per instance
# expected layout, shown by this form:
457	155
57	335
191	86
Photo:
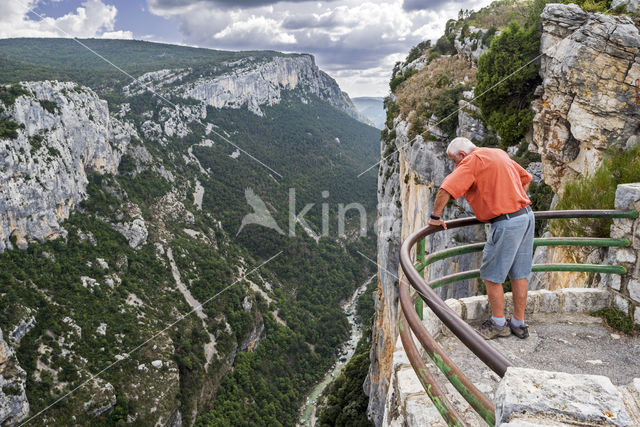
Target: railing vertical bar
431	387
420	254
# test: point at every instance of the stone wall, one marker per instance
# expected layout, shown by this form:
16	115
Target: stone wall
626	289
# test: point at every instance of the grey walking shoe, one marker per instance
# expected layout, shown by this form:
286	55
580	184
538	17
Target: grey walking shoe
521	332
489	330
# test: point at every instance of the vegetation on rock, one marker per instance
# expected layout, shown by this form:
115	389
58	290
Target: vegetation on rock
597	191
618	320
507	76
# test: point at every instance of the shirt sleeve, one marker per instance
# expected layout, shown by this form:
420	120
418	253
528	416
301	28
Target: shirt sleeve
460	180
525	177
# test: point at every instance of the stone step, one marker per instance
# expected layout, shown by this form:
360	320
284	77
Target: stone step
631	399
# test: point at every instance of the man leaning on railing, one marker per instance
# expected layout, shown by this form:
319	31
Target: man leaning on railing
496	188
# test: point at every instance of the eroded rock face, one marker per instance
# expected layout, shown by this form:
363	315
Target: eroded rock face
470	125
67	133
14	406
472	46
407	186
261	84
251	83
134	229
385	299
589	66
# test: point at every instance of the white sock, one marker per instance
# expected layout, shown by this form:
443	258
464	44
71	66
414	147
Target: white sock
500	321
517	323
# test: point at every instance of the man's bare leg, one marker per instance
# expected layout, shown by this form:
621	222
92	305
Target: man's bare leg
496	298
496	326
519	287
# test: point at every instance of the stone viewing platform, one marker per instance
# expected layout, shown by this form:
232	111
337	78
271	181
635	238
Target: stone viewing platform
572	370
564	338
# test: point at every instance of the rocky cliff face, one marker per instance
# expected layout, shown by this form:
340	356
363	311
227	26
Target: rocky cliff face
66	133
14	406
589	66
407	183
251	84
472	44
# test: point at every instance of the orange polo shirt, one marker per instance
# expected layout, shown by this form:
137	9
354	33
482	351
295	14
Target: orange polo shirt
491	182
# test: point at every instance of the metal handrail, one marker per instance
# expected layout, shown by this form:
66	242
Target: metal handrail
490	356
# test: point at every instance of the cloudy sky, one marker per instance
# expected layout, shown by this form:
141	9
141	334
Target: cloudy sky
356	42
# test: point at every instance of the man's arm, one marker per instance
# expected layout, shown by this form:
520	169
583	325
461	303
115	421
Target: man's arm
442	198
525	177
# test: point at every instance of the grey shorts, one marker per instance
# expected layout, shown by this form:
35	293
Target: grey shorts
509	249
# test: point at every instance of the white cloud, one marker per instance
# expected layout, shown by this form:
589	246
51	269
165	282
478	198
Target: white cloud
120	34
92	19
354	41
255	28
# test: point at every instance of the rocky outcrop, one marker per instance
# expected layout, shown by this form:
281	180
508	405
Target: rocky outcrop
250	83
14	406
134	229
589	66
472	45
625	5
65	134
22	329
407	185
470	125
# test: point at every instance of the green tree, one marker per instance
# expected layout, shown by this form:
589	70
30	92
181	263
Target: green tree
507	76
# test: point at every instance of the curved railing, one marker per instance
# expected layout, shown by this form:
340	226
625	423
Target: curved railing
411	315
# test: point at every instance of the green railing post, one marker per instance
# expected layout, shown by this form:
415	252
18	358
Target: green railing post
420	253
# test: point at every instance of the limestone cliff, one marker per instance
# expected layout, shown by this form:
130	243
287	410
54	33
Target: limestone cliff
250	84
14	406
589	65
65	134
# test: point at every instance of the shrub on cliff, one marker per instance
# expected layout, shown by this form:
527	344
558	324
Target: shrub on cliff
509	80
597	191
8	94
9	129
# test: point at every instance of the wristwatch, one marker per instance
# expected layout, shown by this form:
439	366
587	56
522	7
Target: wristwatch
436	218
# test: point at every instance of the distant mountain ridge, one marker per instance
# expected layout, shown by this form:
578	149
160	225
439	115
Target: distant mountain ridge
220	78
372	108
